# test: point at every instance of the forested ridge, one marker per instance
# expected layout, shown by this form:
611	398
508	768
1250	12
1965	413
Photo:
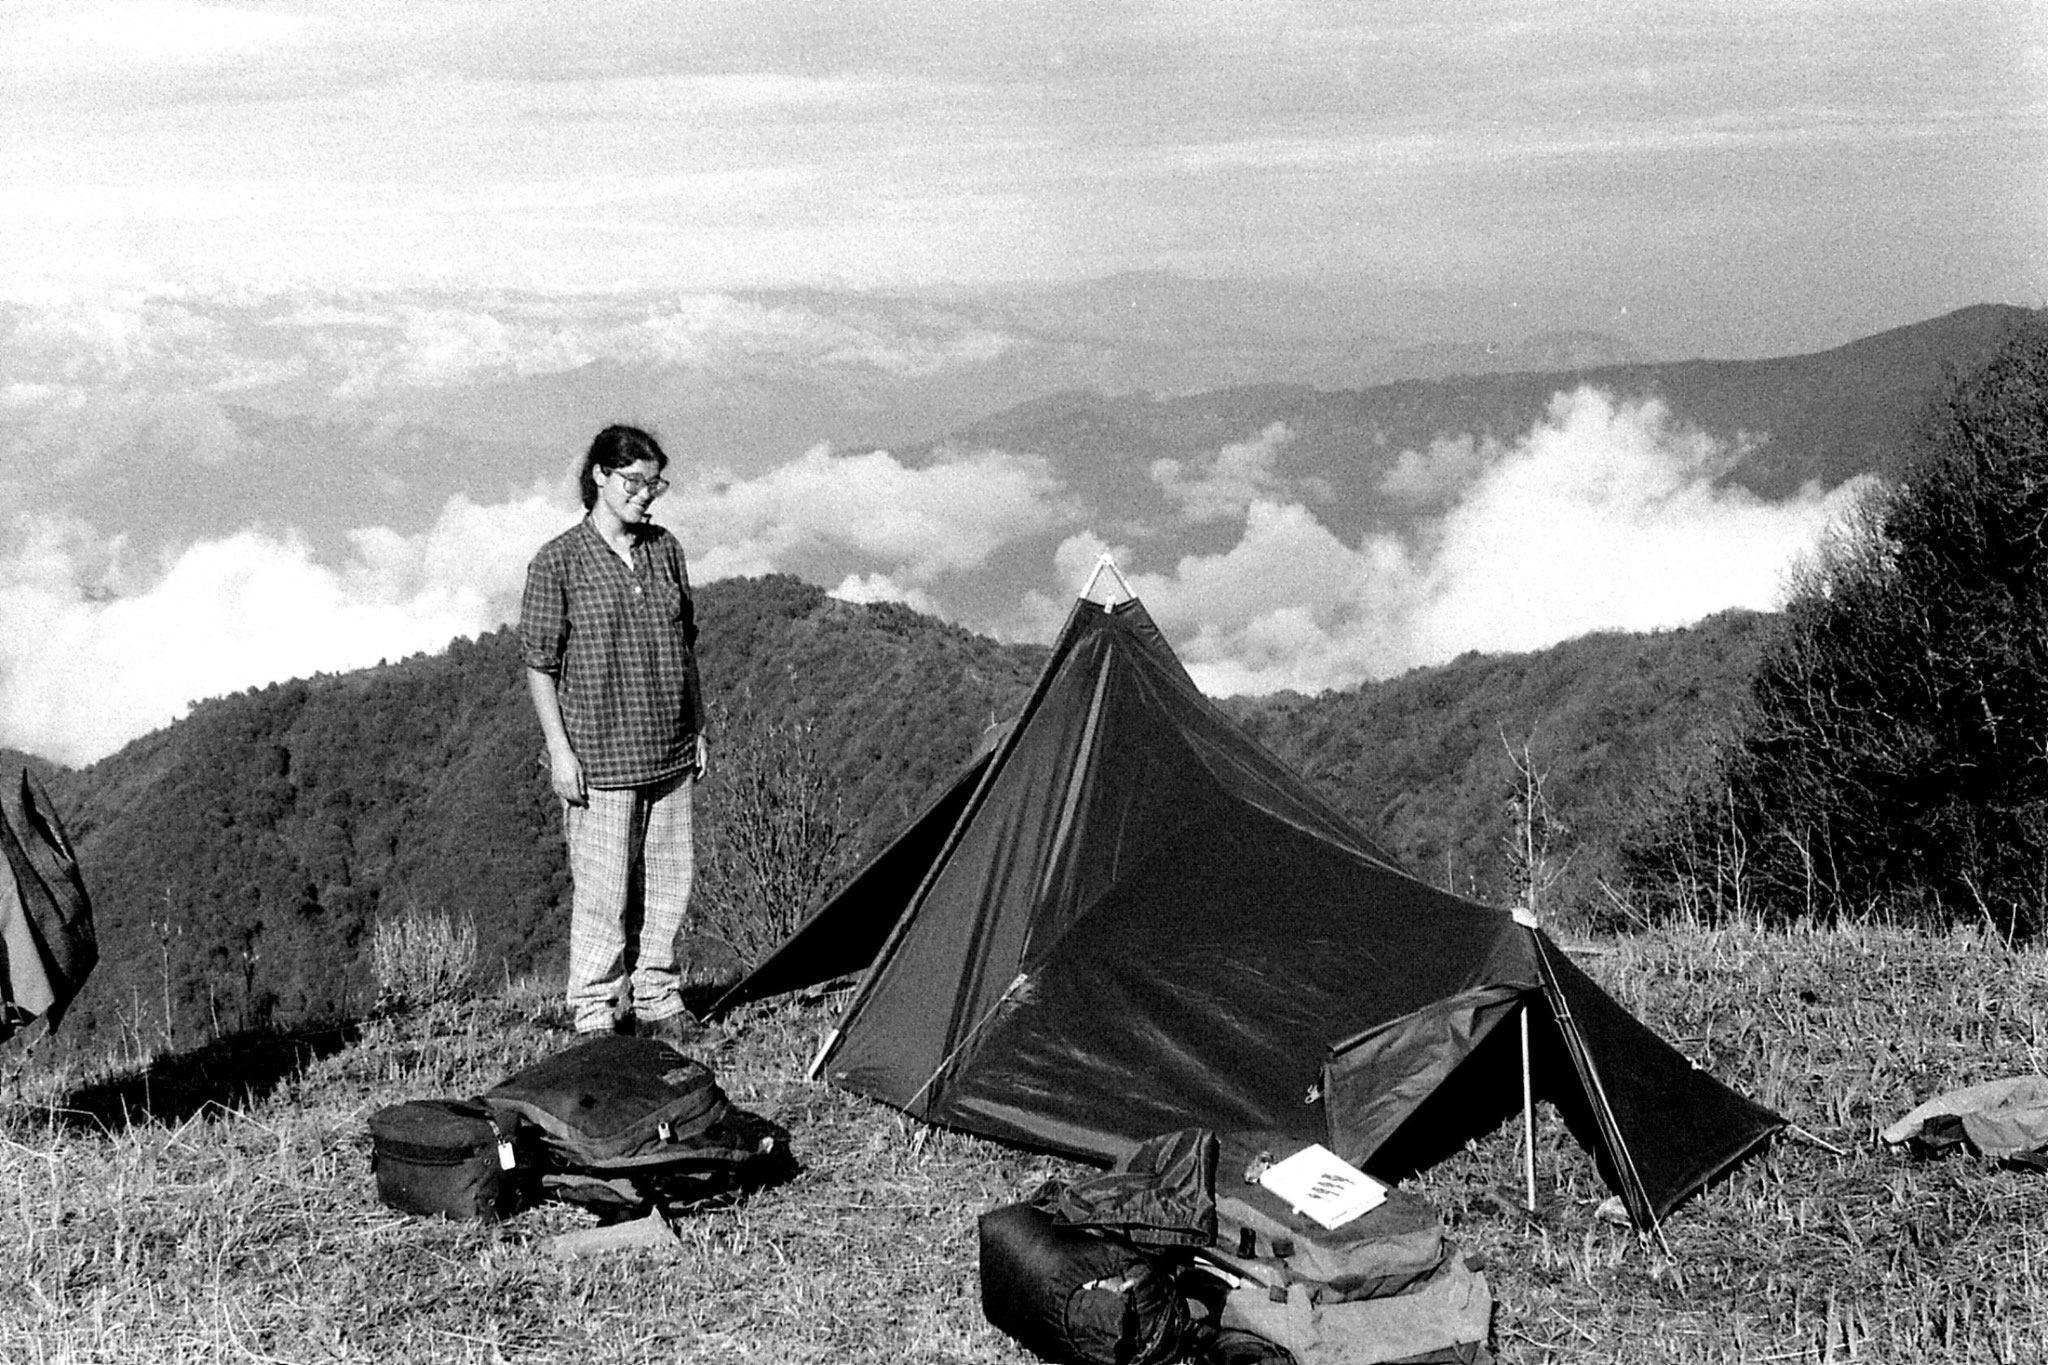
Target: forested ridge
239	858
1606	722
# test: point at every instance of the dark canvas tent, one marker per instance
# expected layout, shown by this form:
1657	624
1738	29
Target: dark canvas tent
1131	918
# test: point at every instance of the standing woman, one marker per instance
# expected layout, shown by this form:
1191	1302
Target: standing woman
608	633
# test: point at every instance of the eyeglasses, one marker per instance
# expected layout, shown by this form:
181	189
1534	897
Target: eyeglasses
654	485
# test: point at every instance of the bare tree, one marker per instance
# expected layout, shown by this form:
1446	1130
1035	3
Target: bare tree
773	837
1534	864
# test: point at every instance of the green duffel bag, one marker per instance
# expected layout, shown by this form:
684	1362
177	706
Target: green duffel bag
1444	1319
1260	1238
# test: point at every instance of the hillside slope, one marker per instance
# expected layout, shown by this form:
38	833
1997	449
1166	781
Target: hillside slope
1429	758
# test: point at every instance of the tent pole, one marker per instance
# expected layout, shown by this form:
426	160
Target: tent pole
1632	1190
1105	563
818	1062
1528	1116
1525	915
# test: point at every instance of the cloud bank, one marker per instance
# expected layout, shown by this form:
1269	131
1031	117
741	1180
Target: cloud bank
918	523
98	651
1604	515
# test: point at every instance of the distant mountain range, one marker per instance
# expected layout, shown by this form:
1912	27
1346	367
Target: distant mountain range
1168	478
1821	418
327	414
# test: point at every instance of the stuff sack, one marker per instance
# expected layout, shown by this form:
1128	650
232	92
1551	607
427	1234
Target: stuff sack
620	1125
1444	1319
1259	1237
1161	1193
454	1158
1078	1296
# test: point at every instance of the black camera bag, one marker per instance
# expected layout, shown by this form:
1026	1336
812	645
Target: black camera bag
454	1158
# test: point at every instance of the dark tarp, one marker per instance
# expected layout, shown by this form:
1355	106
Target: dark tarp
47	944
1142	921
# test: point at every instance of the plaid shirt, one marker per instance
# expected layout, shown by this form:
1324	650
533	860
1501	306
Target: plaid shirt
619	644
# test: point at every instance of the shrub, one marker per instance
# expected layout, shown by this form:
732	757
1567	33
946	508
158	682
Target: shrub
1893	755
420	959
772	837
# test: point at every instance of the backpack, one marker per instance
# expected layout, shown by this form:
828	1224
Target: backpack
1446	1318
623	1125
1260	1238
452	1158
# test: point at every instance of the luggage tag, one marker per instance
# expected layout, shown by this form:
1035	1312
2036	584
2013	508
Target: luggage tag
507	1158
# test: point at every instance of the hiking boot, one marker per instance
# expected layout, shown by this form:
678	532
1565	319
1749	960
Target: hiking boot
676	1029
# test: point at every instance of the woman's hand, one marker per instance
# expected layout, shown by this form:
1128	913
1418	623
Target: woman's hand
565	770
565	775
703	757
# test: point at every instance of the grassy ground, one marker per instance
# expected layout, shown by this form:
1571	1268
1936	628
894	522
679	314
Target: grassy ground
220	1207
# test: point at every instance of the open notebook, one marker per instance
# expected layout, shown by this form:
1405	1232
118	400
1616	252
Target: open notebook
1318	1183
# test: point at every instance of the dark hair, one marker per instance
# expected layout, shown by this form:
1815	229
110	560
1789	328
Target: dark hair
614	448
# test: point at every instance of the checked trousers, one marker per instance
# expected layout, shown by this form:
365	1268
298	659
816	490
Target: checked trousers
631	861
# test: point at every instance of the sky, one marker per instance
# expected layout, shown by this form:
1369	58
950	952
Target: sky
304	305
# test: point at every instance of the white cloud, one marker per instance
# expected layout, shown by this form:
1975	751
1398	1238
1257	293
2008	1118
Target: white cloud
471	563
876	587
96	650
1603	517
366	343
88	663
111	336
76	433
904	341
21	397
145	33
433	347
1450	465
918	523
1226	484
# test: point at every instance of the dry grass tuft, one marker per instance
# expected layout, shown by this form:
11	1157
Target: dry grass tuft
248	1229
421	959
